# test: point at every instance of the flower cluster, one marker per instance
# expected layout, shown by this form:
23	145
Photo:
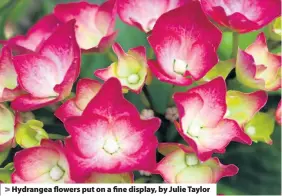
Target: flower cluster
107	138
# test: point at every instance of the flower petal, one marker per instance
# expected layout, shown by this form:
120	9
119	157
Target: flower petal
179	52
36	35
250	103
243	15
144	14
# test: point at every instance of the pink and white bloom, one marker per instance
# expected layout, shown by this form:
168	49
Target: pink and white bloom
46	163
143	14
131	68
242	15
86	89
182	56
202	123
36	35
257	68
94	24
9	87
181	165
242	107
48	76
110	137
278	113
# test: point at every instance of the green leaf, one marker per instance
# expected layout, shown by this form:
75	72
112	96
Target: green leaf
3	155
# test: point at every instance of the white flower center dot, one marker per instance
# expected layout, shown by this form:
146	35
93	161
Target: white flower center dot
191	160
133	78
179	66
56	173
251	130
111	146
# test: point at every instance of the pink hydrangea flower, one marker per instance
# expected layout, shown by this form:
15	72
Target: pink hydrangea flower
109	136
94	24
178	39
181	165
257	68
131	68
278	113
48	76
242	15
36	35
9	87
86	89
144	14
46	163
202	123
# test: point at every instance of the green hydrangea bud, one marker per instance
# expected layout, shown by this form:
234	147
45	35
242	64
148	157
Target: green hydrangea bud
30	134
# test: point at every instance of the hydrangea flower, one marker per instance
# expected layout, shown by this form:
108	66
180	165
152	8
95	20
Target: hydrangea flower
94	24
242	15
46	163
9	87
109	136
131	68
202	123
181	165
144	14
243	106
8	122
86	89
48	76
181	56
257	68
35	36
30	134
96	177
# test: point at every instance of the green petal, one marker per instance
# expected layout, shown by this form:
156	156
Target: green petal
198	174
222	68
261	127
30	134
110	178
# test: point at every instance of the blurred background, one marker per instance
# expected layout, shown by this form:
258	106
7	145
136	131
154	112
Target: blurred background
259	164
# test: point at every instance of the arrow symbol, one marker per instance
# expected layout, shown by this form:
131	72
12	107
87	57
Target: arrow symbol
7	189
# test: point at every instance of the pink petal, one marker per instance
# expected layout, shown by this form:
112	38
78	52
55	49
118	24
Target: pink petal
36	74
243	15
143	14
175	39
64	51
94	24
26	103
8	76
36	34
67	110
109	95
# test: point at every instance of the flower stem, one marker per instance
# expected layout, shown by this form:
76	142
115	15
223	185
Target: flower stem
148	97
55	136
235	44
111	56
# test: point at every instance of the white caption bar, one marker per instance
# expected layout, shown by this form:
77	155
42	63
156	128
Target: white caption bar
108	189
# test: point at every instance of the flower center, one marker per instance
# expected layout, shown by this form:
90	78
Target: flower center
133	78
56	173
194	129
191	160
111	146
251	130
179	66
